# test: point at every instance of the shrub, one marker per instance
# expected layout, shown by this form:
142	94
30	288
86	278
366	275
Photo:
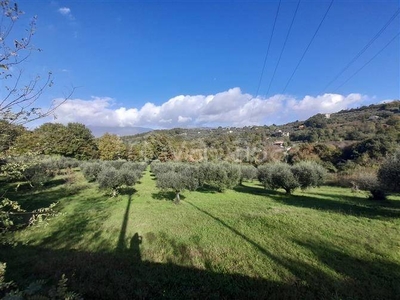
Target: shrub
369	182
389	173
38	174
32	169
67	162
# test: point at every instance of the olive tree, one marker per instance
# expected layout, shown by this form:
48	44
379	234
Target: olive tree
264	175
283	177
91	170
178	181
389	173
221	176
110	178
248	172
309	174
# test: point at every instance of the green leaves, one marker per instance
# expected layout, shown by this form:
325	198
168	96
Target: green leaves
112	175
282	175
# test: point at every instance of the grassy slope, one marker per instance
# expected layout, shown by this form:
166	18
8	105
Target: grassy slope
246	243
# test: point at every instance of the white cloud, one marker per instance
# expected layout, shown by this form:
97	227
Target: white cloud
229	108
66	11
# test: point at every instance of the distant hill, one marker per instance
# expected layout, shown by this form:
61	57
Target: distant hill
346	125
121	131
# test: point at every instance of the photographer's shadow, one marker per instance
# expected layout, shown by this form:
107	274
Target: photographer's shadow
134	248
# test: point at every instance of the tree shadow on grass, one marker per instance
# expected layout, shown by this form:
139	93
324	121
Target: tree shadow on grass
129	191
255	190
25	187
35	199
166	195
374	278
350	205
208	189
54	183
111	276
363	199
82	225
122	274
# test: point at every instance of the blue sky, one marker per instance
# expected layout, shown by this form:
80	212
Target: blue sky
165	64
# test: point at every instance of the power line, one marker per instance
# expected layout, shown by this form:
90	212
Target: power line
283	48
364	65
363	49
308	46
269	45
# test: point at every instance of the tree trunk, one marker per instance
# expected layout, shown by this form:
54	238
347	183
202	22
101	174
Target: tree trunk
177	198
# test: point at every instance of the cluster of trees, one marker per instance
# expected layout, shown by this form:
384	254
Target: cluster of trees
221	176
72	140
184	176
34	169
369	152
77	141
354	124
304	174
113	175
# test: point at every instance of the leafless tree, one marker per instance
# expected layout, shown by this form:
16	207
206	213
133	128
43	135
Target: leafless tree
18	96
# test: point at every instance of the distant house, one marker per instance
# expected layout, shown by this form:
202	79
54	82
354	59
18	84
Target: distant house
327	116
279	143
302	127
280	133
373	118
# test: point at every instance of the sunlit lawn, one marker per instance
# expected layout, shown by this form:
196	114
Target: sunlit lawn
244	243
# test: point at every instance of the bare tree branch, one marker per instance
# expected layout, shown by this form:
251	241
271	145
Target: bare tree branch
17	102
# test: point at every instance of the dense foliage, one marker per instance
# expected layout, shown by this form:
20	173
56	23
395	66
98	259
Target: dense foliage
112	175
281	175
389	173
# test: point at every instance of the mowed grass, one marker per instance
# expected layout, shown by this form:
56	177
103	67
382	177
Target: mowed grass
325	243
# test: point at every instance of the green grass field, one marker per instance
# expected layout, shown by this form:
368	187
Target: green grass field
325	243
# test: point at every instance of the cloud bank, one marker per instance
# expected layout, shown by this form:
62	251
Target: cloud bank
228	108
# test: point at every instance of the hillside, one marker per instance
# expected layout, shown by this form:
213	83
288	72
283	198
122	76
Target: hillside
353	124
